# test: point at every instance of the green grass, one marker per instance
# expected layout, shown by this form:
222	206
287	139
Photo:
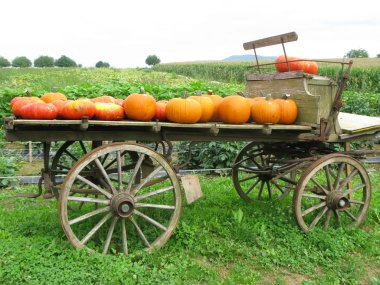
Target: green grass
219	240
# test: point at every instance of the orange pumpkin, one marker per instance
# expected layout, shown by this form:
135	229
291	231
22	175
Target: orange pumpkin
59	104
183	110
161	110
266	112
20	102
207	107
288	110
104	99
282	66
109	111
120	102
216	99
77	109
140	107
234	109
310	67
39	111
52	96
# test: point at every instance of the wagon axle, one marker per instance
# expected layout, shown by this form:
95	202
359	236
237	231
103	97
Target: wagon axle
335	200
123	204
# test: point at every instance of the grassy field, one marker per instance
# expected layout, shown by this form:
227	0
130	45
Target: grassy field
212	244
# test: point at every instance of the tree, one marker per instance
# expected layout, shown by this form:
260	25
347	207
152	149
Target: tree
44	61
357	53
152	60
102	64
65	61
4	62
21	61
378	55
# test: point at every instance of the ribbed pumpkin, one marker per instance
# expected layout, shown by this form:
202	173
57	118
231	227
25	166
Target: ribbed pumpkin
39	111
20	102
207	107
52	96
266	111
216	99
140	106
183	110
108	111
234	109
282	66
288	110
77	109
161	110
59	104
104	99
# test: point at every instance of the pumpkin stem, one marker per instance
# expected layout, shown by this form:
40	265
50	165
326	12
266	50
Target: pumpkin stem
286	96
184	95
209	92
54	89
241	94
268	97
27	92
198	93
142	90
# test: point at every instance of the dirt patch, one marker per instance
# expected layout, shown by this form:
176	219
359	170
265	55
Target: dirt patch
32	168
286	277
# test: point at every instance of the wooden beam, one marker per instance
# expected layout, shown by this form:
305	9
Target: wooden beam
284	38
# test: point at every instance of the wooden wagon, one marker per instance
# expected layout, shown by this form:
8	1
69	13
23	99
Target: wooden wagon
125	195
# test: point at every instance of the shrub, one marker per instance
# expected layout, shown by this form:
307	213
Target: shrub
102	64
65	61
4	62
44	61
21	61
152	60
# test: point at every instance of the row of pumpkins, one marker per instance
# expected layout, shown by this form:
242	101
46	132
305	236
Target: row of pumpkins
295	63
234	109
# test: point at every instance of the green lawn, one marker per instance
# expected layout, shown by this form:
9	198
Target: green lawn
220	240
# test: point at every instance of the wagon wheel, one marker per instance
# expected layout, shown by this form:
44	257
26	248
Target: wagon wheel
255	172
134	212
328	194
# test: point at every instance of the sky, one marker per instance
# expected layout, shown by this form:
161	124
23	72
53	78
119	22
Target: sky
123	32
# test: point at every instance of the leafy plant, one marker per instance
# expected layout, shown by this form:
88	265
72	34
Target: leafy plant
44	61
21	61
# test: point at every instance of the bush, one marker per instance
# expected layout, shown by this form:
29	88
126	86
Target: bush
4	62
44	61
101	64
8	167
152	60
21	61
65	61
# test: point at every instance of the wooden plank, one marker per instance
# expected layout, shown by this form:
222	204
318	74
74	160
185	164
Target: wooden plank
192	187
276	76
275	40
352	123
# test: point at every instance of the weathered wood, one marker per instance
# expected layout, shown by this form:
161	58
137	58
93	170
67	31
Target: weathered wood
192	187
352	123
275	40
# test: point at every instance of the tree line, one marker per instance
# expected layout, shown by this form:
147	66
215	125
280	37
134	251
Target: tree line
45	61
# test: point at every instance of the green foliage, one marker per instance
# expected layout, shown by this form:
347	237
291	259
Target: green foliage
152	60
209	155
8	168
101	64
44	61
21	61
357	53
65	61
4	62
361	103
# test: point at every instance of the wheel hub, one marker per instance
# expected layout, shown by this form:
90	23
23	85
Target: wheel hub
123	204
336	201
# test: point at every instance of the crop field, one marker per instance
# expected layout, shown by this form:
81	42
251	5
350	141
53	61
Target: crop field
220	239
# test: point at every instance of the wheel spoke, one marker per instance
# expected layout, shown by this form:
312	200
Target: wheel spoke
248	178
319	185
63	167
343	183
109	234
150	220
350	215
253	186
328	177
89	215
105	175
140	232
337	219
269	190
156	206
340	169
321	197
317	218
83	147
153	193
290	181
248	169
313	208
124	237
137	167
119	171
147	179
96	187
96	228
277	186
86	199
261	190
327	221
353	189
357	202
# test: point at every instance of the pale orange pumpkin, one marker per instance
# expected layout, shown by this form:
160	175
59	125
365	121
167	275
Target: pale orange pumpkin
288	110
20	102
234	109
52	96
216	99
161	110
183	110
109	111
266	111
140	106
207	107
104	99
75	110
